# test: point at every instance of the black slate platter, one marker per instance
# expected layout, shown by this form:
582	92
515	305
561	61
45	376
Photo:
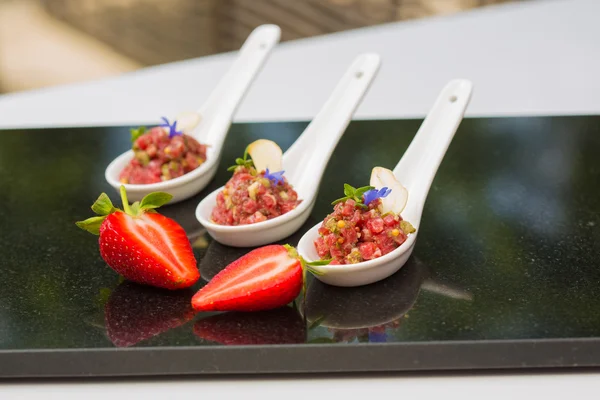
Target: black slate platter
505	273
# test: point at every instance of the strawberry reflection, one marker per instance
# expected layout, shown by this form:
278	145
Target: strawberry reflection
134	313
280	326
364	313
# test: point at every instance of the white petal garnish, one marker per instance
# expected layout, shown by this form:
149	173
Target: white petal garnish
187	121
396	200
265	154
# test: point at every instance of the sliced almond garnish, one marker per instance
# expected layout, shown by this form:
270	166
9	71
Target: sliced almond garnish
265	154
396	200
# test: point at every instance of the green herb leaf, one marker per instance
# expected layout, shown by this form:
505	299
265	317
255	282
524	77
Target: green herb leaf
136	133
339	200
354	194
103	205
361	191
313	271
244	162
317	263
155	200
92	225
348	190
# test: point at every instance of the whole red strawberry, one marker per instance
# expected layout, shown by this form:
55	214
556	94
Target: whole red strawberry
142	245
266	278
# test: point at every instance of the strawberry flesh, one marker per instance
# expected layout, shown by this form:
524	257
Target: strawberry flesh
149	249
264	279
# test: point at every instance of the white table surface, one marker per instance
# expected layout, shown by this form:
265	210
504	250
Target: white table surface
541	57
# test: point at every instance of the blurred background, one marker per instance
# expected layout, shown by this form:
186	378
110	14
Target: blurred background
51	42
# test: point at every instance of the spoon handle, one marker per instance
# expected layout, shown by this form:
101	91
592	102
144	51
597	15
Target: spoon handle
217	112
312	150
420	162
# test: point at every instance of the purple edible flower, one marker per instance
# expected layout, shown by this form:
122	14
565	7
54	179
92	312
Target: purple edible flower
375	194
172	128
275	177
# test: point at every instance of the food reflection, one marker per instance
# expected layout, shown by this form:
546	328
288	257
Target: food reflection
134	313
198	238
280	326
368	313
373	334
367	306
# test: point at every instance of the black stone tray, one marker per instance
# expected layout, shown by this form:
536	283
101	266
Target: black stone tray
505	273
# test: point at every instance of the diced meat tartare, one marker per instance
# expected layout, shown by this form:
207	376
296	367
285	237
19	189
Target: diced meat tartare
250	197
352	234
159	157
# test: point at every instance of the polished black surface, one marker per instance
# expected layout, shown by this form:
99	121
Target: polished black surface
505	273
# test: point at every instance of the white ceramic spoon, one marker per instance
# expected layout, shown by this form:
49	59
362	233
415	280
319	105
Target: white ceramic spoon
415	171
216	115
304	162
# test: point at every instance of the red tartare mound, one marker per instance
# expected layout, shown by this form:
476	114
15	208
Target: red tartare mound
159	157
249	197
352	234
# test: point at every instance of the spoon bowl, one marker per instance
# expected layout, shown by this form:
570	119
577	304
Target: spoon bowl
304	162
216	115
416	171
251	235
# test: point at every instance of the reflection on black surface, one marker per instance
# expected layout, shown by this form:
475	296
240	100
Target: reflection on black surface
280	326
217	257
370	313
513	216
134	312
365	306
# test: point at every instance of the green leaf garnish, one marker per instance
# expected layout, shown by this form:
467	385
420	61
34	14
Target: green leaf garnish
155	200
103	205
317	263
355	194
92	225
137	132
243	162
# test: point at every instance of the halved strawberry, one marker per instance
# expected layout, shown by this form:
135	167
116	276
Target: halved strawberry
142	245
266	278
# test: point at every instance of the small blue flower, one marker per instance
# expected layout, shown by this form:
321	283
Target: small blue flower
275	177
172	128
375	194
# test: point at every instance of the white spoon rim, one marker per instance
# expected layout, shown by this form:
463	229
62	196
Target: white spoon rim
158	186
